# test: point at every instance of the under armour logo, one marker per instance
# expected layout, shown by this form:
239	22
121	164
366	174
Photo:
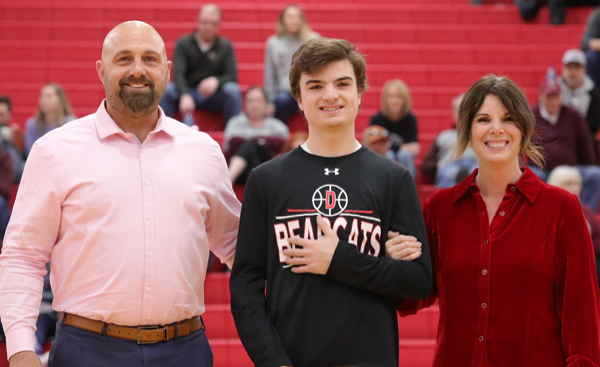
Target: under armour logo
334	171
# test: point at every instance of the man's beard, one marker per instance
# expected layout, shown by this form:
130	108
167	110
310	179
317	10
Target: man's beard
138	102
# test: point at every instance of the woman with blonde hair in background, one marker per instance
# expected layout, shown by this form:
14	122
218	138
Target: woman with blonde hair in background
54	110
292	31
512	257
396	116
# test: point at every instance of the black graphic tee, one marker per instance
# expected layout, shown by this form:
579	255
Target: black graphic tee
346	317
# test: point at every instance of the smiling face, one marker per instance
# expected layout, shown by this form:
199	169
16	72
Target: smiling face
495	137
134	69
330	98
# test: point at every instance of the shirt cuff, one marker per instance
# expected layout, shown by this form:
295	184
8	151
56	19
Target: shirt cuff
19	340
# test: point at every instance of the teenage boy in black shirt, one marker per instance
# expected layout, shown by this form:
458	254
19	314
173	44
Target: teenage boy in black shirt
314	227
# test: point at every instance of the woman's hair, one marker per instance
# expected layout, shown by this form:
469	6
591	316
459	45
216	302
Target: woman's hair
401	87
64	108
305	32
317	53
513	99
561	175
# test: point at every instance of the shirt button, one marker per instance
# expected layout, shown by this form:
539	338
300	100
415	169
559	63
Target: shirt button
481	338
484	272
149	253
513	189
502	214
147	289
147	182
484	305
485	242
148	217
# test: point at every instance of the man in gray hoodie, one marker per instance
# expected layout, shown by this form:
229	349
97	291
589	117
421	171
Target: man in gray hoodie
578	92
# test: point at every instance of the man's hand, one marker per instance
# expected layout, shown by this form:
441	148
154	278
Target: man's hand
401	247
186	104
25	359
315	256
208	86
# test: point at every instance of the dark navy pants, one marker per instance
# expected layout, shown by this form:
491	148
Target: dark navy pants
75	347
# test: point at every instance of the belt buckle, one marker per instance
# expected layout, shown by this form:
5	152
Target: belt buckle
151	328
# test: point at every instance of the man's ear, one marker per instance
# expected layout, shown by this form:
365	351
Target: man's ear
299	100
100	70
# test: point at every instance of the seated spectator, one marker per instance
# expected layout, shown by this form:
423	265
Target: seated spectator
568	178
6	138
564	138
54	110
377	139
530	8
579	93
292	31
440	162
590	44
396	116
204	71
252	137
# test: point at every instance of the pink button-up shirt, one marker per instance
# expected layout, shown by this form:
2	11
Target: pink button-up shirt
128	227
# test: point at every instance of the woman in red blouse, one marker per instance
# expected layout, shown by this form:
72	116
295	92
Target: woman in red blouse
512	256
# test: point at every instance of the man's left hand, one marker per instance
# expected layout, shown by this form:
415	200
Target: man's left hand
315	256
208	86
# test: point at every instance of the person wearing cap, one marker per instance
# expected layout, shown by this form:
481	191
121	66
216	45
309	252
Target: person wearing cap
579	93
563	135
378	139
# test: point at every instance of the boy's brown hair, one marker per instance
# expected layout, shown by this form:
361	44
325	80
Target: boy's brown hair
317	53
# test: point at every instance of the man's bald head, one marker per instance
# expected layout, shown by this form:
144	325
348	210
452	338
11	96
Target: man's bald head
134	69
131	31
210	8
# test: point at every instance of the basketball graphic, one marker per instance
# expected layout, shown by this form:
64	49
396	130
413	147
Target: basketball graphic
330	200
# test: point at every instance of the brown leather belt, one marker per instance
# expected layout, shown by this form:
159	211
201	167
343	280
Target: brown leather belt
140	334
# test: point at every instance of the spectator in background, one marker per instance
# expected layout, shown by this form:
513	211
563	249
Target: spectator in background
377	138
292	31
396	116
6	138
252	138
579	93
54	110
590	44
204	71
568	178
440	162
565	139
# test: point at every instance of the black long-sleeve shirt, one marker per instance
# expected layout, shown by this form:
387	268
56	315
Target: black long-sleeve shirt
191	65
346	317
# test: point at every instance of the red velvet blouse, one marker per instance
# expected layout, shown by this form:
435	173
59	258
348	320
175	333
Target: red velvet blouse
522	291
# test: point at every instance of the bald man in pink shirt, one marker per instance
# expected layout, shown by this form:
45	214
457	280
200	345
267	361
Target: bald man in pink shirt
126	204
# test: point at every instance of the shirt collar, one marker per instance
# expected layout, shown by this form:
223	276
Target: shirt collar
528	184
106	126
